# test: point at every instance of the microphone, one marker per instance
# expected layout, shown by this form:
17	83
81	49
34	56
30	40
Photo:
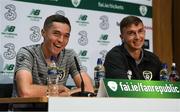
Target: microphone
78	69
82	92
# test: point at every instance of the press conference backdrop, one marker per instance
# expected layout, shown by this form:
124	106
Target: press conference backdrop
95	27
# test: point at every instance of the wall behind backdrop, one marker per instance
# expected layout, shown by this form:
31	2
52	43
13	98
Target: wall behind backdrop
95	27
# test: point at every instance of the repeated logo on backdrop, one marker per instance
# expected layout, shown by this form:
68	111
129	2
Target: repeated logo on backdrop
83	40
8	48
143	10
76	3
11	14
104	25
83	54
35	36
103	39
83	20
60	12
94	28
35	15
9	53
9	31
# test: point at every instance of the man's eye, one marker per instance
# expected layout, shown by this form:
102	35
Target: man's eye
141	31
56	33
131	33
67	36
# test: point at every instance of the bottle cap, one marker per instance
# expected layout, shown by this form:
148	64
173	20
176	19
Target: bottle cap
99	61
173	64
164	65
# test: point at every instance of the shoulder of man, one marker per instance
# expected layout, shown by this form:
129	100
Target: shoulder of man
117	50
151	55
30	47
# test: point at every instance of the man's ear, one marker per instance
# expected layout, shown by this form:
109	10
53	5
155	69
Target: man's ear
120	36
122	39
42	32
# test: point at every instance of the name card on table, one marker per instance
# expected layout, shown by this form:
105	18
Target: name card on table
138	88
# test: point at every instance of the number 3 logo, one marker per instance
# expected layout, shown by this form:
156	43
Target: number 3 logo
10	53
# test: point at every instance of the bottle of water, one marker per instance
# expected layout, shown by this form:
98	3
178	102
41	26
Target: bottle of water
164	75
52	79
99	72
174	75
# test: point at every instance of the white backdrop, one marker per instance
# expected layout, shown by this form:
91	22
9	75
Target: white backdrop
95	29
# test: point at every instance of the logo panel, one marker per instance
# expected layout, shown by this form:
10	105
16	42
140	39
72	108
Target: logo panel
76	3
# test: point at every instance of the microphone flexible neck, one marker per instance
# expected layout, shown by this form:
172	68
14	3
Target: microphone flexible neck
78	69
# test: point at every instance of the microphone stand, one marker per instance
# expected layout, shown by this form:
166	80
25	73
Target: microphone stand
82	93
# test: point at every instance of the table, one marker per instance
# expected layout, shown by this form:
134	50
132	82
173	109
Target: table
7	103
24	100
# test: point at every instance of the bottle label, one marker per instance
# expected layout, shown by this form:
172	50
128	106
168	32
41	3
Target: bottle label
52	71
164	75
98	75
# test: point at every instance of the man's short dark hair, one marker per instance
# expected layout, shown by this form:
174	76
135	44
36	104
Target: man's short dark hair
129	20
56	18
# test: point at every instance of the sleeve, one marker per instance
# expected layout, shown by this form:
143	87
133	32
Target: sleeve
24	60
73	67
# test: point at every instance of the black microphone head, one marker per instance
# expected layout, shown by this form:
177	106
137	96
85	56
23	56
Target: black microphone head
84	94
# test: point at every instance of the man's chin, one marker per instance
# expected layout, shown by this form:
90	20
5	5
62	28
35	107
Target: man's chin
137	48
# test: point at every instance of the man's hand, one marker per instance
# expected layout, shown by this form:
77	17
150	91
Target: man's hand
64	91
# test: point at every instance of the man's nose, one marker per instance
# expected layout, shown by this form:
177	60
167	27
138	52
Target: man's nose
137	35
61	38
